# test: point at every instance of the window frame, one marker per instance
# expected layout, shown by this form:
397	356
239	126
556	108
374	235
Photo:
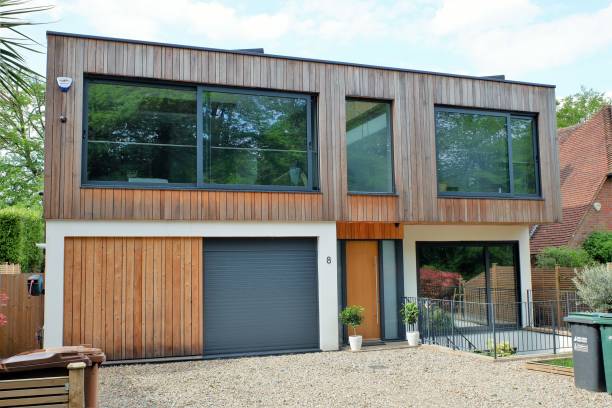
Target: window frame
311	144
389	102
516	252
508	115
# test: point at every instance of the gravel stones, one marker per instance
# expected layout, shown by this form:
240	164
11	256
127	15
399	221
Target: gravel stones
384	378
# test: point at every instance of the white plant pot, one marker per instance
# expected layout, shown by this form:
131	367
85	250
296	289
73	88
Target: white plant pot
413	338
355	342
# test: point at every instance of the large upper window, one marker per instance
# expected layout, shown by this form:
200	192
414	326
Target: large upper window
139	134
483	153
369	146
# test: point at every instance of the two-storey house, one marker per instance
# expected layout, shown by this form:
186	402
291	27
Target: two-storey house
206	202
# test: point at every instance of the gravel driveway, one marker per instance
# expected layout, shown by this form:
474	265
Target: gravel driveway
388	378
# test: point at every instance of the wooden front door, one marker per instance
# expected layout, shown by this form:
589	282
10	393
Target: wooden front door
362	285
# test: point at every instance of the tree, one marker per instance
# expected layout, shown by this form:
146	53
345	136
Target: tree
13	42
579	107
21	146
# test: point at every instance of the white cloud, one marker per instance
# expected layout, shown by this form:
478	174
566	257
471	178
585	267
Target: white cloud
314	20
495	36
539	46
149	19
477	15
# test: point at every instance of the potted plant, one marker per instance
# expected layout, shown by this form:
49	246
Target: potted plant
410	314
352	316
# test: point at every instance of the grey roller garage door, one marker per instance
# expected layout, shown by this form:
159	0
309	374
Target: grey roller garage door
260	295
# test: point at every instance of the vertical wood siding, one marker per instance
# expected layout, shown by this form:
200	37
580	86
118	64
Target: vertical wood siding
24	314
413	97
134	297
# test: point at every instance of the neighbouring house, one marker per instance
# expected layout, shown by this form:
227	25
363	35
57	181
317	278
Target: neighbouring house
206	202
585	157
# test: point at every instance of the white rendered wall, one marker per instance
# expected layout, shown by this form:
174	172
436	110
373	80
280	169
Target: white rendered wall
325	232
415	233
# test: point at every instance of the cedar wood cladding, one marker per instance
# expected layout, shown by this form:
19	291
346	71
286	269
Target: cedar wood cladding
134	297
413	94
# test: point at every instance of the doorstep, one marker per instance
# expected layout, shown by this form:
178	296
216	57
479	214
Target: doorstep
379	346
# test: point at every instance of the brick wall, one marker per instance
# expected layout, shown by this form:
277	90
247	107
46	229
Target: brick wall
596	220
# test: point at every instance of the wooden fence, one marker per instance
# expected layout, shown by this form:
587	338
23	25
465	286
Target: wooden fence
10	268
24	315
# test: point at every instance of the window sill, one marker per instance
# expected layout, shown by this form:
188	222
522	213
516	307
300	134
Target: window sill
192	188
355	193
492	197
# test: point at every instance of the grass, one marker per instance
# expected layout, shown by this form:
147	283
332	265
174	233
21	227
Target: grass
559	362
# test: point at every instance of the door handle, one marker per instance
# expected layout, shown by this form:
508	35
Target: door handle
377	294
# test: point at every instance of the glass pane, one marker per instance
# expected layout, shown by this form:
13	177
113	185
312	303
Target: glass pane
472	153
257	167
503	273
523	157
141	133
140	163
256	139
503	282
368	138
452	272
391	301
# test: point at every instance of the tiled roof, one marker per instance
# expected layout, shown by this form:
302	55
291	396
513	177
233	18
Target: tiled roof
585	157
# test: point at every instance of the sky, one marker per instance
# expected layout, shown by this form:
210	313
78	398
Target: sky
564	43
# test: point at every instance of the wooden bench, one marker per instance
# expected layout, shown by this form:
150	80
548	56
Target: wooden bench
56	392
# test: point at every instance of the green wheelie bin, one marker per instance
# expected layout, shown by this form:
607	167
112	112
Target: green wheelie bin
605	328
586	350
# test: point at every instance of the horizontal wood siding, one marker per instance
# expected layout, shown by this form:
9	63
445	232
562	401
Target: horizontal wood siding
413	97
369	230
134	297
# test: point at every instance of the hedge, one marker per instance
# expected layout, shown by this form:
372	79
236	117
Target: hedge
20	230
563	256
599	246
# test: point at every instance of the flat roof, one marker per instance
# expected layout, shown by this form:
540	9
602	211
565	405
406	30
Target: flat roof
257	54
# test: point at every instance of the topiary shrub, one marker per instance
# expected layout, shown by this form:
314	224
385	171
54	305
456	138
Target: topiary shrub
594	287
563	256
20	230
599	246
352	316
409	313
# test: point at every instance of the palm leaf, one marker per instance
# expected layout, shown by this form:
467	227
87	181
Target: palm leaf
14	73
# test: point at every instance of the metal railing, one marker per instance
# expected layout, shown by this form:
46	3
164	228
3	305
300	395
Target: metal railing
493	328
566	302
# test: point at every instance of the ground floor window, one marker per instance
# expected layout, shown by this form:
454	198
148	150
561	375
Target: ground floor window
470	272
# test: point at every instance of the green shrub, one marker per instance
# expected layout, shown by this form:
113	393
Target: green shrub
563	256
352	316
599	246
594	287
12	240
441	320
409	313
502	349
20	230
33	234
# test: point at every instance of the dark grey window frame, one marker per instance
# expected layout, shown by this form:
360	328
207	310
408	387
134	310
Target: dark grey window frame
487	265
393	191
536	153
312	144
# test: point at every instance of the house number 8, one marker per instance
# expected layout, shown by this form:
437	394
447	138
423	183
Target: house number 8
329	259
